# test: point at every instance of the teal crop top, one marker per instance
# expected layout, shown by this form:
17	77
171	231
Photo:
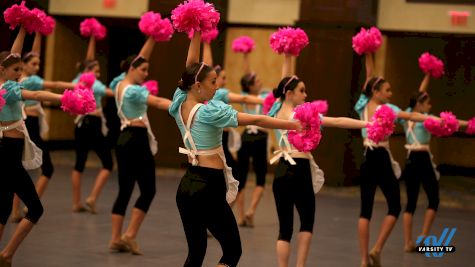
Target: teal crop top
32	83
99	90
222	94
422	135
134	102
209	121
258	109
363	102
12	109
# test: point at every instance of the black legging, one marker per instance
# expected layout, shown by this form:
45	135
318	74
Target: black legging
15	180
201	200
33	126
293	187
255	146
135	164
377	170
419	171
89	137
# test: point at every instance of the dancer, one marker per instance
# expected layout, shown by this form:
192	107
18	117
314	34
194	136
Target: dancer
135	148
90	134
201	195
17	151
35	121
379	167
254	145
420	169
297	176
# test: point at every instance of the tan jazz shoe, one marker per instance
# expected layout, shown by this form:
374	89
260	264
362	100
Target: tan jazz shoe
91	205
132	244
375	257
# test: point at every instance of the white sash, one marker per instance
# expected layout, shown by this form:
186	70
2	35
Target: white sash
79	119
234	140
231	183
385	144
289	154
417	146
125	122
44	127
32	156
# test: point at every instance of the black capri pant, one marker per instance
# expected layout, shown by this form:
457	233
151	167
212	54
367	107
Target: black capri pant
419	170
255	146
376	170
89	137
15	180
293	187
201	201
33	126
135	164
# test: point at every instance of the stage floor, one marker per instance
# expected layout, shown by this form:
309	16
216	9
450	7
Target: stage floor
63	238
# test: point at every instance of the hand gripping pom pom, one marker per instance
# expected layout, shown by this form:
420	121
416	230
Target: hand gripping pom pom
78	101
367	41
152	24
195	15
289	41
430	64
152	86
310	136
87	80
383	124
16	15
446	126
243	44
92	27
471	126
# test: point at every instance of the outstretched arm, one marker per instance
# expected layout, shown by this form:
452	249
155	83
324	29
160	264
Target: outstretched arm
147	48
414	116
207	54
287	66
369	65
41	96
57	85
266	122
425	83
158	102
91	49
247	99
36	48
18	44
343	122
194	50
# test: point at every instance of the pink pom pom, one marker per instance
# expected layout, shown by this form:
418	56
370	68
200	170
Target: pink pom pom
367	41
383	124
243	44
86	80
310	136
152	86
430	64
321	106
152	24
209	36
78	101
2	100
16	15
48	25
92	27
268	102
195	15
446	126
34	21
471	126
289	41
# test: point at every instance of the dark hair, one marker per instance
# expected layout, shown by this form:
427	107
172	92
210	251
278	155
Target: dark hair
87	65
283	87
418	97
10	61
132	61
188	77
247	81
374	83
218	69
29	56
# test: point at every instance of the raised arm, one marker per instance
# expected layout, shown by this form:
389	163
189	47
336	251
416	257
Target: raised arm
158	102
287	66
369	65
18	44
147	48
207	54
194	50
41	96
266	122
425	83
246	64
343	122
247	99
36	48
91	49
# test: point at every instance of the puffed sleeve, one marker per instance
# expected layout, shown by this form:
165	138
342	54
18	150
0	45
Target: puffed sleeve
222	94
178	97
33	83
361	103
99	88
13	92
116	80
218	114
275	108
137	94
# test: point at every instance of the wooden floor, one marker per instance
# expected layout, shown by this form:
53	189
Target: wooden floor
69	239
